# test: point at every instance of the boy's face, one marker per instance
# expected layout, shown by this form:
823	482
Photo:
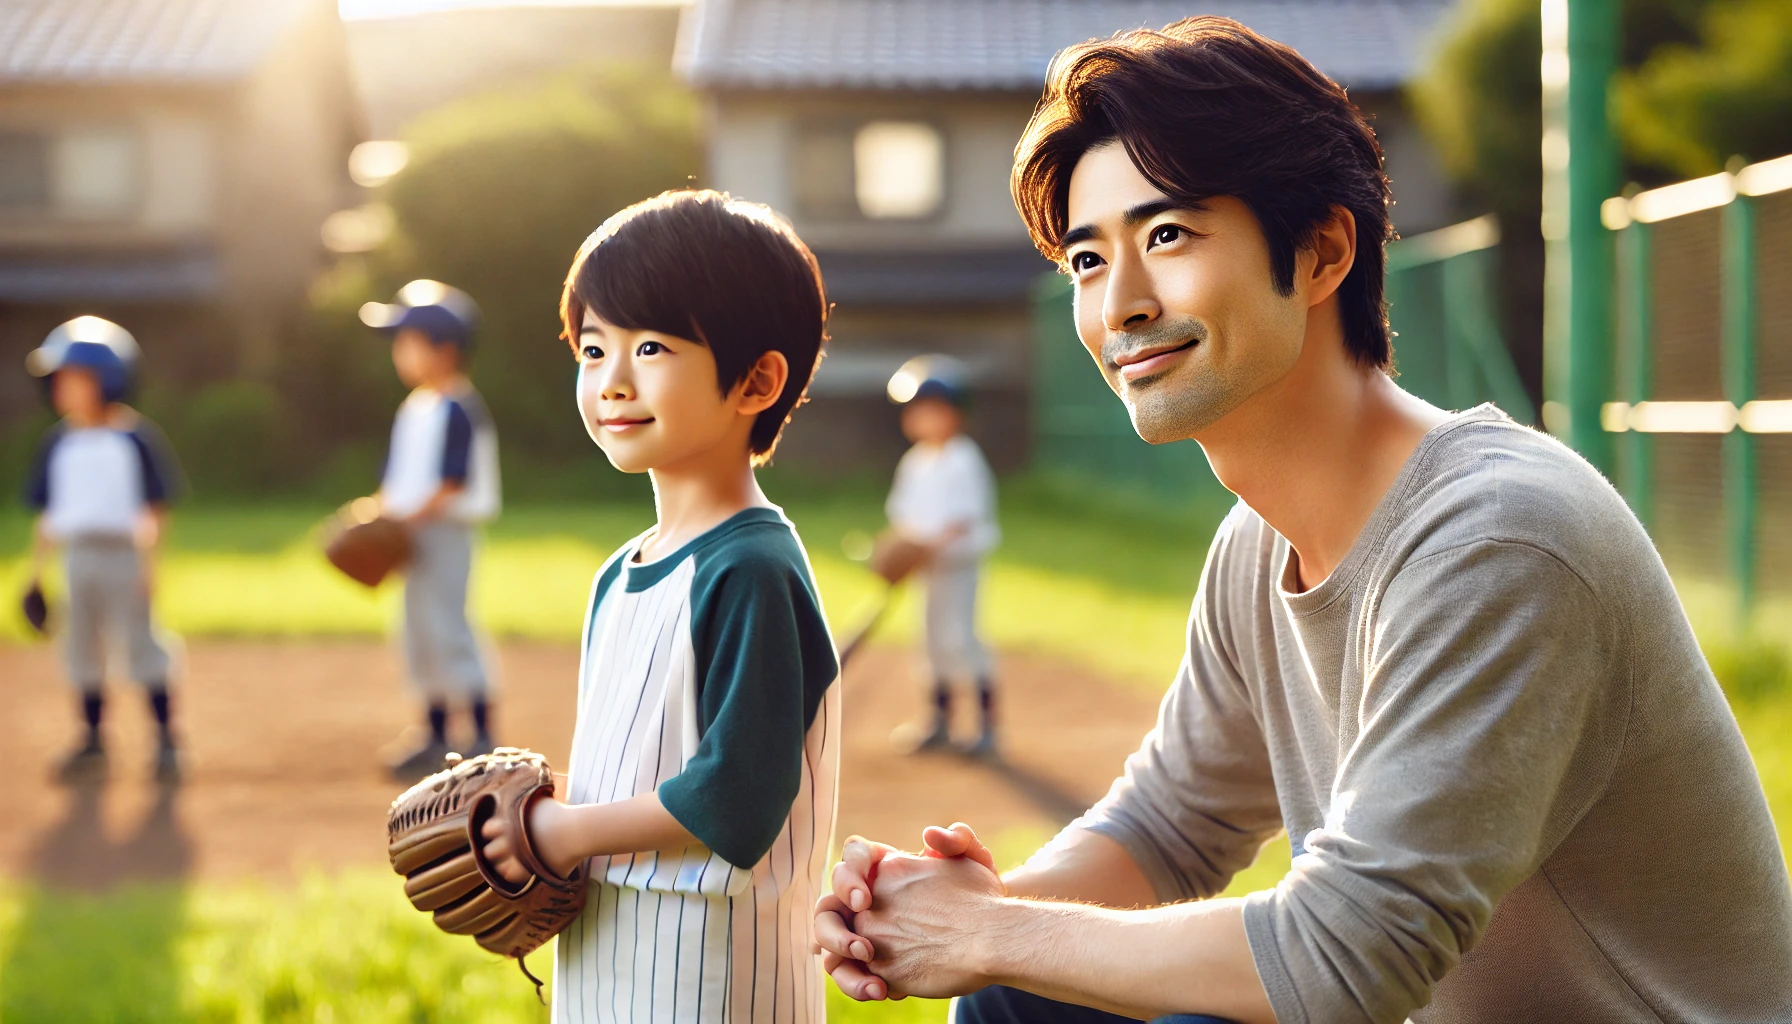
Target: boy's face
419	360
75	392
1177	305
931	421
652	400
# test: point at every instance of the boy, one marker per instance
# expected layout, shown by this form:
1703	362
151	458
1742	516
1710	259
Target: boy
944	499
99	485
705	757
440	482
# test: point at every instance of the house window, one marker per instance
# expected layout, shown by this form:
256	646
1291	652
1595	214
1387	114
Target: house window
880	170
898	169
82	172
24	172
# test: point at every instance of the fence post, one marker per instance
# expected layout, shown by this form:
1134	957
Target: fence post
1637	372
1739	388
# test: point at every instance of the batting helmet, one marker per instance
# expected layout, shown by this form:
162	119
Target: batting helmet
941	377
448	315
94	344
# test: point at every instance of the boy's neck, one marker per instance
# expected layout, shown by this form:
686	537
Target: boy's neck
444	383
698	495
86	419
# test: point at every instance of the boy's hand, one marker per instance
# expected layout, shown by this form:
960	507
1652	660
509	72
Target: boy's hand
552	828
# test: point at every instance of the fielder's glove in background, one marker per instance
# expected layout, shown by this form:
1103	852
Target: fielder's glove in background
365	545
37	610
432	836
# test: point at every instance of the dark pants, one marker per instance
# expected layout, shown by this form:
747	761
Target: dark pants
1000	1005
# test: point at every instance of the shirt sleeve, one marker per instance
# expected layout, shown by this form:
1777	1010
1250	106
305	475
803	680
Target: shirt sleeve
1197	800
160	472
457	444
37	482
764	663
1490	723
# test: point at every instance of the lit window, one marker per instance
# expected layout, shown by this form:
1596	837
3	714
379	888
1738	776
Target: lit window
95	172
898	169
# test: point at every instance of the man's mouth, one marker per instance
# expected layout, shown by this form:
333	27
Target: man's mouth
1147	361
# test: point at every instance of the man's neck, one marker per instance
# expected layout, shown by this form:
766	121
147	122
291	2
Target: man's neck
1315	452
699	494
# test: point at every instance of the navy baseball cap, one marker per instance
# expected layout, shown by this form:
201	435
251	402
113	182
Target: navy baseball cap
941	377
448	315
92	343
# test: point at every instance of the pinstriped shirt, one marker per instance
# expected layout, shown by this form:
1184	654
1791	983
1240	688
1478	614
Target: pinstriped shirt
707	675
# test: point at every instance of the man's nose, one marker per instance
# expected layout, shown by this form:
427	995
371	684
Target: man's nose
1130	302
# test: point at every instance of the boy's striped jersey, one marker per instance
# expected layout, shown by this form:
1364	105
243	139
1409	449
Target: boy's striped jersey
708	675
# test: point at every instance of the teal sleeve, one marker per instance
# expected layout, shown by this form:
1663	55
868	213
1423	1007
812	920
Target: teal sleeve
764	663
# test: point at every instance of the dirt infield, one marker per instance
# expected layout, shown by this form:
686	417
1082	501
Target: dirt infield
285	774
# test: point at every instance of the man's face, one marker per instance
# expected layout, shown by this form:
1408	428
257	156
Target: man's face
651	400
1175	304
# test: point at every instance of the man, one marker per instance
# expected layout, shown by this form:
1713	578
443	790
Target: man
1436	648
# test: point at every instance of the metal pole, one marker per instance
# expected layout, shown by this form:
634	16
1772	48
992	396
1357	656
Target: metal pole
1636	376
1580	163
1739	326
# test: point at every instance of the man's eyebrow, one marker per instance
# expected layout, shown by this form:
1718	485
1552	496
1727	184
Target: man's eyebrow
1147	210
1134	215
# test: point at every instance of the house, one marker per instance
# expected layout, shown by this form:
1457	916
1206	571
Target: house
168	164
885	129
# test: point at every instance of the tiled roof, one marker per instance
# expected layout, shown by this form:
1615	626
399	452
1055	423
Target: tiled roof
1006	44
139	40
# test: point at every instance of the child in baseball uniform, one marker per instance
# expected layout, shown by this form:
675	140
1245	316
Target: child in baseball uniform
100	483
944	498
441	482
701	786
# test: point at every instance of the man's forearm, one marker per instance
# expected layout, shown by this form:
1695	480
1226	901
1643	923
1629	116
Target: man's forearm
1083	867
1185	958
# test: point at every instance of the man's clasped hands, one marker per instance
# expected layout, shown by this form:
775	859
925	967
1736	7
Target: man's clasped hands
899	924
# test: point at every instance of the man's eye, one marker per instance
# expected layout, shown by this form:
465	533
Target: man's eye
1084	260
650	348
591	352
1164	234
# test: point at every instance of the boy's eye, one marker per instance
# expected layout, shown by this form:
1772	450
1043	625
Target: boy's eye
1164	234
650	348
591	352
1084	260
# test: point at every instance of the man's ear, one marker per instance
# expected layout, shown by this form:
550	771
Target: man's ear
763	384
1333	252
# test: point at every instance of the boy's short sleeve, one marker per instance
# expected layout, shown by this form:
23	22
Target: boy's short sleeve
37	484
457	444
161	474
764	661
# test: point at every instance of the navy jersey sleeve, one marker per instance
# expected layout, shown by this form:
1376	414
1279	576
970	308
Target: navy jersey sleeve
37	484
457	444
764	663
162	482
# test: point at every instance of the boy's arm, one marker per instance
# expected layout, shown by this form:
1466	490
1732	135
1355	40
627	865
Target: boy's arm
149	543
41	546
437	503
566	834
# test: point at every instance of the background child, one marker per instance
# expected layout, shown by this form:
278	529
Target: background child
944	497
706	754
440	481
101	480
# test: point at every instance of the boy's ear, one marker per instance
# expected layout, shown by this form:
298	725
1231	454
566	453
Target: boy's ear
763	384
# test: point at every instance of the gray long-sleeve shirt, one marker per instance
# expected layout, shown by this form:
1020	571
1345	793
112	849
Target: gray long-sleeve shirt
1514	790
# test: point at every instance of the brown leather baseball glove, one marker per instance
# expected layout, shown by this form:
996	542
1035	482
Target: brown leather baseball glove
366	546
432	837
895	557
36	609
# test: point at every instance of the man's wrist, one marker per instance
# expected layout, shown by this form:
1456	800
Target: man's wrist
1005	938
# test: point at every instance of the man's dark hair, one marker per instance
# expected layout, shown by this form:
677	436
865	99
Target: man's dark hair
1205	108
704	266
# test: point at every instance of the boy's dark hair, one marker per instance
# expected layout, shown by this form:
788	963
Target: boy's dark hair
702	265
1207	107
